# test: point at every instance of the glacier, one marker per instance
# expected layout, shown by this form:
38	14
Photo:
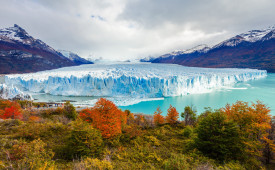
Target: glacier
12	93
136	80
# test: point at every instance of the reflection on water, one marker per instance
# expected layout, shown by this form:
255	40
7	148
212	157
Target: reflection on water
251	91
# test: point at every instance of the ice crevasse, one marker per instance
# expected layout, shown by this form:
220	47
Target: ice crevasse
143	80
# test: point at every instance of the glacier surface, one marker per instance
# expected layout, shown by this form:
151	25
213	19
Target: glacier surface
138	80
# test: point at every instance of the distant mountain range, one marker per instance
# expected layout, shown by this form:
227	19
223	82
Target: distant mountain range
74	57
254	49
21	53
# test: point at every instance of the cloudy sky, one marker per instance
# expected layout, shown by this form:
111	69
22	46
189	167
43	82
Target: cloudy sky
129	29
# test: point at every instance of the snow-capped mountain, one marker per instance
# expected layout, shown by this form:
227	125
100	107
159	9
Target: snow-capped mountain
250	36
253	49
203	48
21	53
74	57
16	34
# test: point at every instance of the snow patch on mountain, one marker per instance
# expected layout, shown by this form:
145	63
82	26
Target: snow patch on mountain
74	57
15	33
250	36
203	48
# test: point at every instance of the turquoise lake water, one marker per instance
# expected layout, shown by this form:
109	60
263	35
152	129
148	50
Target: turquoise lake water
250	91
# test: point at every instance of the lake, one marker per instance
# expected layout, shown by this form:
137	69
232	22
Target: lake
249	91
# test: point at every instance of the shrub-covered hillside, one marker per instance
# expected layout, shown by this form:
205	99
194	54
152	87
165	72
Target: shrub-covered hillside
238	136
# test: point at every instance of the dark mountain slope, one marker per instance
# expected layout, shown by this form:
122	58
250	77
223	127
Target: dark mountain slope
21	53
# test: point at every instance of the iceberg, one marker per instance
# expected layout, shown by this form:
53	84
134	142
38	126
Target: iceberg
136	80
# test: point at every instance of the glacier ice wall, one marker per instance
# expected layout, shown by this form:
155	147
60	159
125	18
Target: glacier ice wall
13	93
134	80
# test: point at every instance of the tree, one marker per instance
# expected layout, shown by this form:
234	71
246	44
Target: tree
69	111
189	115
10	110
253	122
269	149
218	138
158	118
106	117
172	115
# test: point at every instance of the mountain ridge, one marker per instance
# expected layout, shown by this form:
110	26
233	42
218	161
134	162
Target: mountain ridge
21	53
74	57
253	49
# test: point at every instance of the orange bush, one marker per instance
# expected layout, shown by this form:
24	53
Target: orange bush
158	118
172	115
106	117
86	115
10	110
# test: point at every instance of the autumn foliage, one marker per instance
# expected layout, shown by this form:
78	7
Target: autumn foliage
86	115
34	118
253	122
106	117
10	110
158	118
172	115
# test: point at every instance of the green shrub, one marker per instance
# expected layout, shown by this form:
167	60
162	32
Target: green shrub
187	132
33	155
218	138
177	161
84	140
33	130
232	165
69	111
152	140
180	161
96	164
48	113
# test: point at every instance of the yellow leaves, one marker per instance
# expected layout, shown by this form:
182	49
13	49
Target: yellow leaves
253	121
97	164
2	165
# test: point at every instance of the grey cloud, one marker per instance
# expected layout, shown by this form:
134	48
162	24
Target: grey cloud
123	29
211	15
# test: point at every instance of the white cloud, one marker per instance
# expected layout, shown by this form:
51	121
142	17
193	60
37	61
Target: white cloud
121	29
